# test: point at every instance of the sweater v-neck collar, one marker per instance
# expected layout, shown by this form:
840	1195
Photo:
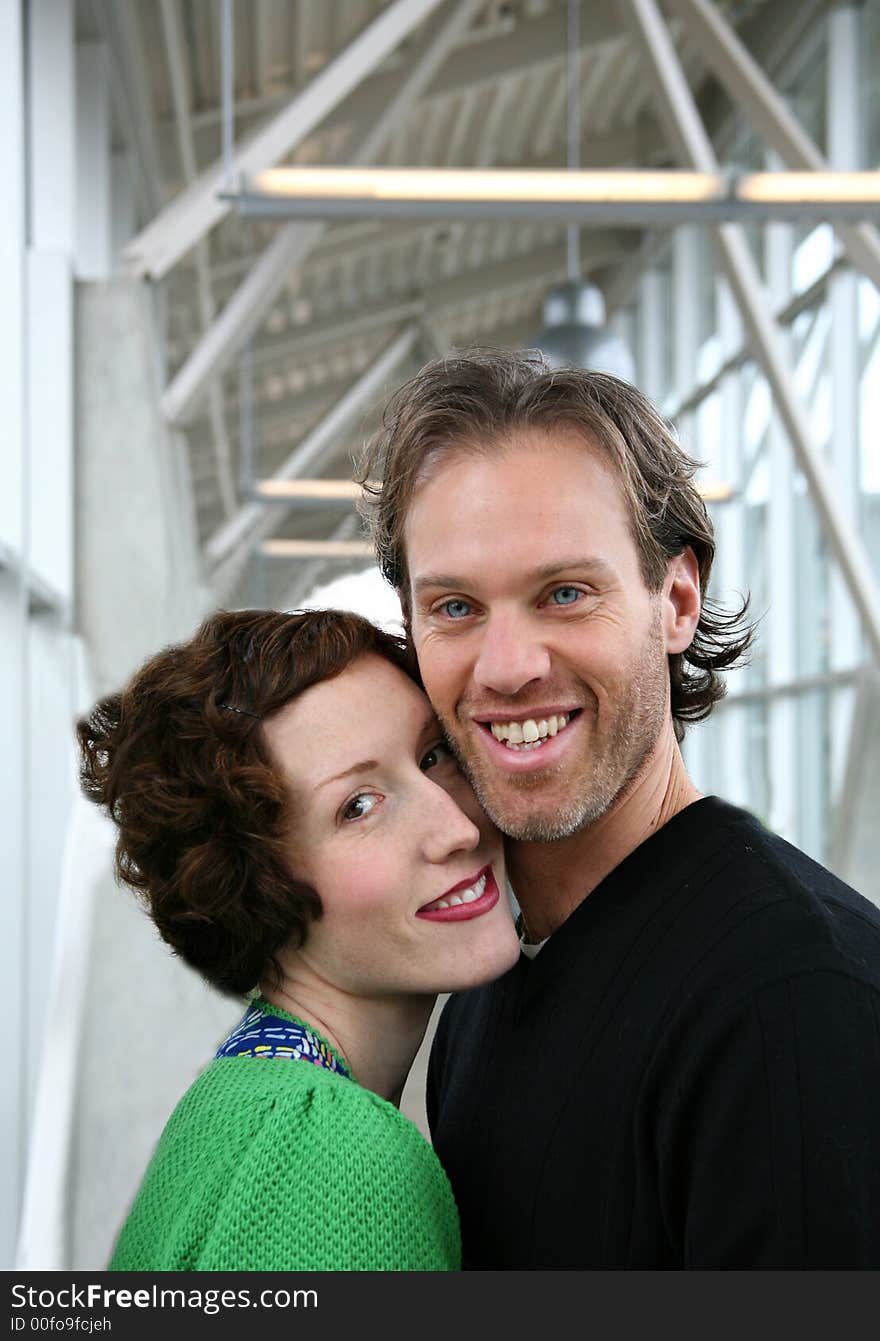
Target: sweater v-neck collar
645	874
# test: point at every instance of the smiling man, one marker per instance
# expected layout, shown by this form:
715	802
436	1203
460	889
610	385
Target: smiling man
683	1069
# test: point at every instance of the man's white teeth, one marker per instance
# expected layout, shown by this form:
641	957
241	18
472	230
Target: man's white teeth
469	895
530	732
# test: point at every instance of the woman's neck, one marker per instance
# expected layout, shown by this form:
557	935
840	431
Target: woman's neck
378	1037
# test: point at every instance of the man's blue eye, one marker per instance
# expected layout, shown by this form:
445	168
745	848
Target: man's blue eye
456	609
565	595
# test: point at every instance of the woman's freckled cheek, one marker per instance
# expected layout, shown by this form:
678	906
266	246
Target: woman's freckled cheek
365	890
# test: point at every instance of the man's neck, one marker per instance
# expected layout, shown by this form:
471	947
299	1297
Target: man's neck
551	879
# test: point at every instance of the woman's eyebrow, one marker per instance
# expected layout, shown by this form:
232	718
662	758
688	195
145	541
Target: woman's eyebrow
364	766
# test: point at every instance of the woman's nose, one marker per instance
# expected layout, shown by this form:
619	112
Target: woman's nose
447	829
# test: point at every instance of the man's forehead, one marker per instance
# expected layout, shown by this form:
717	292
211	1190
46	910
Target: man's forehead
556	509
540	438
553	446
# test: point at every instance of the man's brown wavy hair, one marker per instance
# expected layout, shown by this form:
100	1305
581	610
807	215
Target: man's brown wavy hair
476	400
179	761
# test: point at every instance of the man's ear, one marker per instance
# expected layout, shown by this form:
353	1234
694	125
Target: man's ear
681	601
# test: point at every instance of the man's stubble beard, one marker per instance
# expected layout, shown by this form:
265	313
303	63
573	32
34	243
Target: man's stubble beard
605	773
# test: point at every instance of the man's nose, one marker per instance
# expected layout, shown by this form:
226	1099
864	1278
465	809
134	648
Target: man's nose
510	656
447	829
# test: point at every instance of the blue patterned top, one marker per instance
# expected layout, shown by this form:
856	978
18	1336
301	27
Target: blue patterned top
264	1034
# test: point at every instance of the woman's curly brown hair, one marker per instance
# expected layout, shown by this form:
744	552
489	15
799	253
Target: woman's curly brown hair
179	762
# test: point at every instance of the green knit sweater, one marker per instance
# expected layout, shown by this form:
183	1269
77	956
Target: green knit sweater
270	1165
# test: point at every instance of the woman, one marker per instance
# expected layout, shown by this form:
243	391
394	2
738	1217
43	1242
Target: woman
295	824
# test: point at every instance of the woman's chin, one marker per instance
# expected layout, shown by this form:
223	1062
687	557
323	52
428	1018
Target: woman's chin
497	960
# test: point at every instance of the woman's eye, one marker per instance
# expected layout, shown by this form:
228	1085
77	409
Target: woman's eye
565	595
359	806
438	754
455	609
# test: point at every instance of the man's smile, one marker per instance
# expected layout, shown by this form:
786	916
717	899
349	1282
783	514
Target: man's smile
524	743
529	733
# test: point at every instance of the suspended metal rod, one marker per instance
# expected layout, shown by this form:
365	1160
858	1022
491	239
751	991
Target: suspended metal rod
573	58
227	79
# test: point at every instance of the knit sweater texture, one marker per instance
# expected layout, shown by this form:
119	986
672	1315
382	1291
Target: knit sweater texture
270	1165
686	1076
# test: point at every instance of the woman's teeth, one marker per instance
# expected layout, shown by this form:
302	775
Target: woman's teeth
469	895
529	735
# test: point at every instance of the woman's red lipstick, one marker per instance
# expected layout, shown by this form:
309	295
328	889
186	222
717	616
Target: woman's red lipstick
463	912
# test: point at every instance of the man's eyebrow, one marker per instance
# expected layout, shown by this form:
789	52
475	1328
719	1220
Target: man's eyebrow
590	562
431	580
430	727
448	582
364	766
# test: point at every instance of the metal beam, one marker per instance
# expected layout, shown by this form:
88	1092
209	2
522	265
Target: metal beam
245	310
239	318
311	490
632	196
316	549
207	309
531	44
308	576
679	113
767	112
740	353
359	238
523	271
518	273
786	35
255	522
358	324
198	208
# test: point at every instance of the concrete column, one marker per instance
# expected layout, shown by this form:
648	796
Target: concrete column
139	588
139	583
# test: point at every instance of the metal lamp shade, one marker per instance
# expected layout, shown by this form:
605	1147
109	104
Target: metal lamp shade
575	334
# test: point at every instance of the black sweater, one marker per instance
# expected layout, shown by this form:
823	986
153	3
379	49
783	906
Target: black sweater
687	1075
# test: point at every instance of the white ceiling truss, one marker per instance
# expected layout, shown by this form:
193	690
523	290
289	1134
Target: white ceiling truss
282	338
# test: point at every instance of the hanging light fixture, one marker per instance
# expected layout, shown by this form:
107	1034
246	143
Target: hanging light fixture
574	334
